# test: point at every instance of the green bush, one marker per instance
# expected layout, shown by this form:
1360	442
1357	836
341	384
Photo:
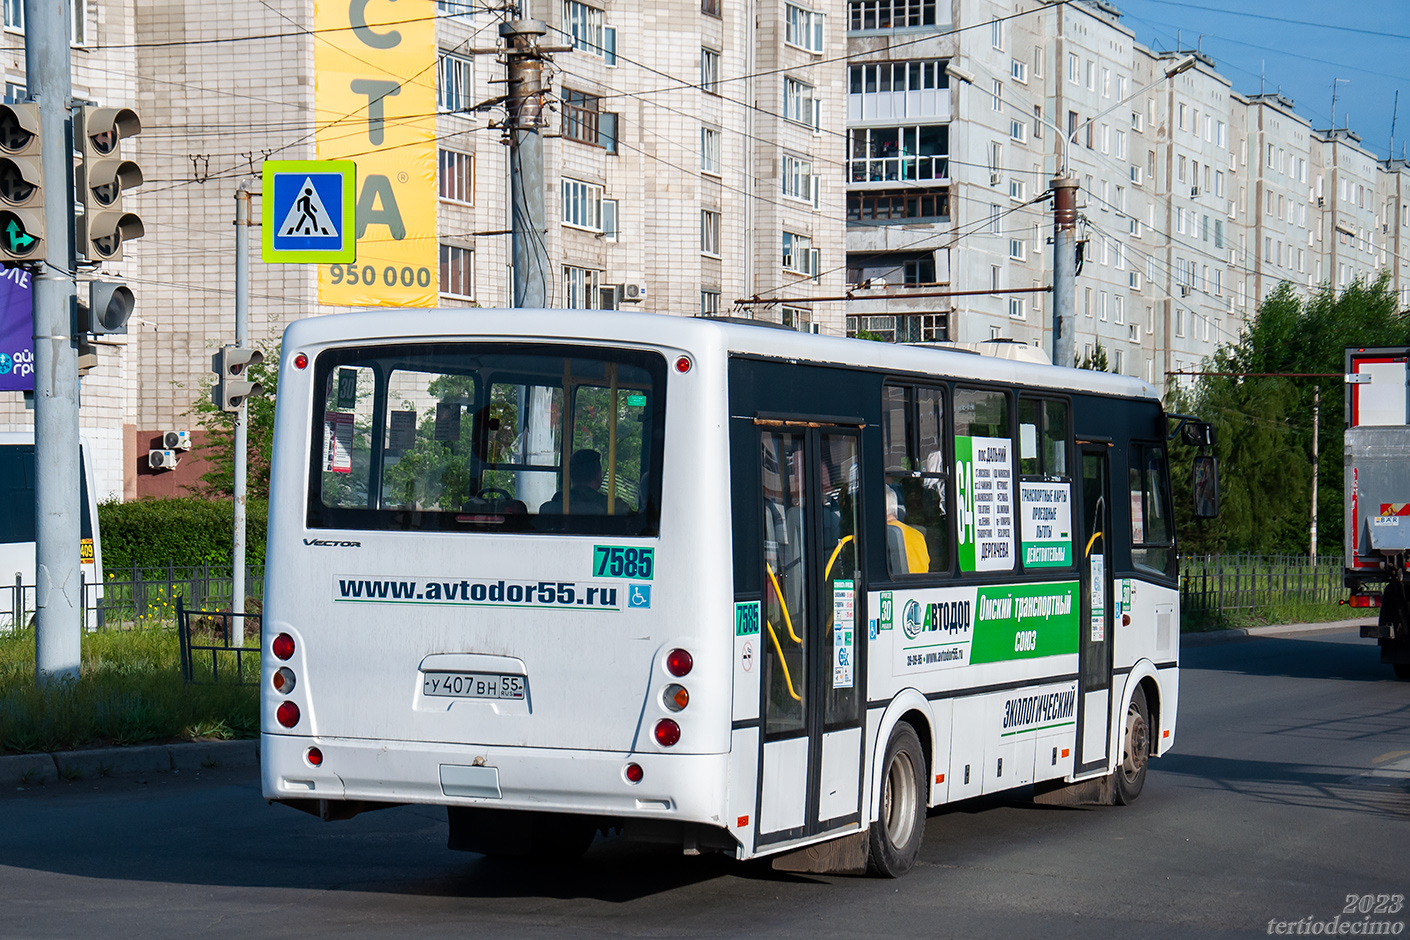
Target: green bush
185	531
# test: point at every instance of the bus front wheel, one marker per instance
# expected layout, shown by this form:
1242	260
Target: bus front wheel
900	822
1135	751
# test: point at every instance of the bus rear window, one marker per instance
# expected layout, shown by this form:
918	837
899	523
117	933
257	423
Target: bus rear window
481	437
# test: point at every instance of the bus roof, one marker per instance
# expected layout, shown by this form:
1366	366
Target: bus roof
692	333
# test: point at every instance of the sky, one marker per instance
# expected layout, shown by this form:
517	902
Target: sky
1299	47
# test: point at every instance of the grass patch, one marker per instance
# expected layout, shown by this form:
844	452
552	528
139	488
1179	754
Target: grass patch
1266	615
129	691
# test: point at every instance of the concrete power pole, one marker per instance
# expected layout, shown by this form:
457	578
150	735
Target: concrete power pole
58	614
1064	271
242	423
1316	410
524	102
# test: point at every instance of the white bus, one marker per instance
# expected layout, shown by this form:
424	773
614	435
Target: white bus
17	525
790	590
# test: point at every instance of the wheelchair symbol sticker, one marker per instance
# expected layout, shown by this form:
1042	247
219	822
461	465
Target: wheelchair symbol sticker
639	595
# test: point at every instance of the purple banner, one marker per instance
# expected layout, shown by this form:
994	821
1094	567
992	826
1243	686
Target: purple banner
16	330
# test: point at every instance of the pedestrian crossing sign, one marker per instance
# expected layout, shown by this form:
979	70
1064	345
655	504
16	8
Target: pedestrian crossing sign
309	211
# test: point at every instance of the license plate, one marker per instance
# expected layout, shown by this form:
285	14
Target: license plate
474	685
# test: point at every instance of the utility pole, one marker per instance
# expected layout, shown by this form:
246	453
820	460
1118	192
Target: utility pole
1316	409
524	102
242	341
1064	270
58	614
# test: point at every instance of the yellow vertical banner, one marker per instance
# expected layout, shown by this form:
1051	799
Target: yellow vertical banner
375	104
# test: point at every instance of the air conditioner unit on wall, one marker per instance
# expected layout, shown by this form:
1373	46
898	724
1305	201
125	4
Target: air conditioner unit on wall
633	293
162	459
176	440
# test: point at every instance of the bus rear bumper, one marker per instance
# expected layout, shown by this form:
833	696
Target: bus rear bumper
681	787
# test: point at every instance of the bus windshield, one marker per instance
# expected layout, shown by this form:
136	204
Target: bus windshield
488	437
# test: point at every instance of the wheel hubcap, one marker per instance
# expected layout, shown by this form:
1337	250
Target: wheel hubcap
1137	744
898	800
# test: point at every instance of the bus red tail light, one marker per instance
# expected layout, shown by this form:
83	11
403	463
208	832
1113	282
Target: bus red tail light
667	732
633	773
314	756
679	662
288	714
283	646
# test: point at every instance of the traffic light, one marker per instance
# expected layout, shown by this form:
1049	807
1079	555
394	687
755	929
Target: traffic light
21	184
231	366
109	306
103	175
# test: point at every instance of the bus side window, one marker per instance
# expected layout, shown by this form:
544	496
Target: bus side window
1042	438
347	437
1152	538
917	530
985	494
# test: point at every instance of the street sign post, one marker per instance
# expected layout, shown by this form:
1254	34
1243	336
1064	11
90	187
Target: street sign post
309	211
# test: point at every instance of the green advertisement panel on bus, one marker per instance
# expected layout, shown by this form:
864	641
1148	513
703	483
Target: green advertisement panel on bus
984	486
1024	621
1045	524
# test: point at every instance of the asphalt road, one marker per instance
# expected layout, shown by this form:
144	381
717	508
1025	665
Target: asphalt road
1282	799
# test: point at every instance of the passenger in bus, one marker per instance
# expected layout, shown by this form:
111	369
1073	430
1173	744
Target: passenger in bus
906	552
585	487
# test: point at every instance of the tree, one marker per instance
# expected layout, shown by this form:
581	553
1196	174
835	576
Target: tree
219	448
1264	422
1095	361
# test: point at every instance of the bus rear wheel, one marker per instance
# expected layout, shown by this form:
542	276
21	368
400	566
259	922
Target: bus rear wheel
1135	751
900	820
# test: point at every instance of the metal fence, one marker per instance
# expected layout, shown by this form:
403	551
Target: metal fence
1211	585
215	646
140	597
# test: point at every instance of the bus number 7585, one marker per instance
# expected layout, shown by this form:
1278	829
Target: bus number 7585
617	561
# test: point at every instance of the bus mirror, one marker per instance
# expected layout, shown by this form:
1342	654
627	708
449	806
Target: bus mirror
1197	433
1206	487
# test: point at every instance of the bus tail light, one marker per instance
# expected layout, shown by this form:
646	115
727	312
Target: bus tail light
683	365
283	646
667	732
676	697
283	680
301	361
679	662
633	773
314	756
288	714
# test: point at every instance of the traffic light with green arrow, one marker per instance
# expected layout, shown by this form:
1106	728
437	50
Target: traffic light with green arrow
21	184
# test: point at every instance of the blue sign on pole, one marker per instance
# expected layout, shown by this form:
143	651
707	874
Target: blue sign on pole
309	211
16	330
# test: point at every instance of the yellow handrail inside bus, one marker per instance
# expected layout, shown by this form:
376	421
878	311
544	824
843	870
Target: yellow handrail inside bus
784	663
1095	536
827	572
783	604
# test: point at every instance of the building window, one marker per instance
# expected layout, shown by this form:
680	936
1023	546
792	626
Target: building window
712	7
996	96
797	318
14	14
457	272
1016	308
1037	122
457	177
913	153
579	288
709	232
1074	68
889	206
1018	189
454	84
798	102
1017	249
710	71
15	93
1018	70
798	179
890	14
892	77
803	28
709	303
609	219
582	205
79	34
1018	130
583	121
996	33
584	26
710	150
799	255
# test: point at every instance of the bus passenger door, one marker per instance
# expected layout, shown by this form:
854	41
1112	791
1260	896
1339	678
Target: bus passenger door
1094	640
810	779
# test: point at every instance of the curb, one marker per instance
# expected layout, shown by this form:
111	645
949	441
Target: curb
24	770
1213	637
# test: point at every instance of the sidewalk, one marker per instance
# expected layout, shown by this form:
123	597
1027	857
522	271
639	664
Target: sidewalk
1285	629
26	770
